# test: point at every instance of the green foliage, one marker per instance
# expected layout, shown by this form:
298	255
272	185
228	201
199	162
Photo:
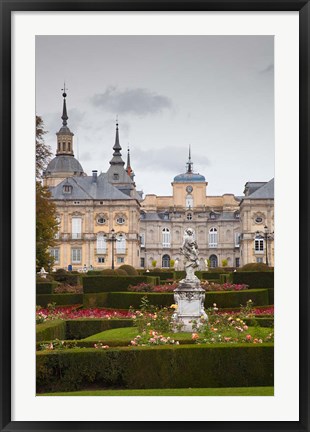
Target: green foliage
231	299
60	299
45	287
224	262
51	330
154	262
46	227
162	275
224	278
83	328
172	262
210	275
255	279
66	277
108	272
126	367
258	267
121	272
95	300
96	284
126	299
130	270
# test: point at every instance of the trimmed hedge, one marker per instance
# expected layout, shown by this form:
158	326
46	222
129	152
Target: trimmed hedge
82	328
60	299
254	279
164	275
223	299
172	367
45	287
96	284
260	321
95	300
51	330
210	276
67	278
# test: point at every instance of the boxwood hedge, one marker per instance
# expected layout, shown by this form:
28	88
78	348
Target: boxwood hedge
60	299
254	279
95	284
45	287
51	330
82	328
156	367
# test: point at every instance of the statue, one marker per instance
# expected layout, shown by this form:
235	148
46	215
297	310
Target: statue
190	251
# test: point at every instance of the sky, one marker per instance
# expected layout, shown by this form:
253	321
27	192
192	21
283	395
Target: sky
213	93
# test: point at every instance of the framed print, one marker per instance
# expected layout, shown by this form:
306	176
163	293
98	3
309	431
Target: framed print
159	225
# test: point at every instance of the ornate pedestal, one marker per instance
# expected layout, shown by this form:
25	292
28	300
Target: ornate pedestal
189	296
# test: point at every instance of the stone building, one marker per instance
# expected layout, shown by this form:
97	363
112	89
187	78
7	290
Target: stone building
99	213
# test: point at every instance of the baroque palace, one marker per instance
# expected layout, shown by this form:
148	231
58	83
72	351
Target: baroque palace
104	221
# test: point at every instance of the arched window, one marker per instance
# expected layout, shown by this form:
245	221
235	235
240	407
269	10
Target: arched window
213	237
189	201
69	146
213	261
101	243
121	244
166	261
166	237
63	146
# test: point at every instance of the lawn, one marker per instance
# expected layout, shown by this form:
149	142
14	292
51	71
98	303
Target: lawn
231	391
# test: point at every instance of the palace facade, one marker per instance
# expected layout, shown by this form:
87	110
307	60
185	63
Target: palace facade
105	221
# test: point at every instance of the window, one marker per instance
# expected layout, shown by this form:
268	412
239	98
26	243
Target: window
76	256
166	237
63	146
101	243
259	245
189	216
121	244
212	215
213	237
237	215
67	189
258	219
213	261
69	146
237	262
76	228
142	262
76	202
115	176
259	260
189	201
120	260
101	220
142	239
120	220
237	239
55	254
100	260
166	261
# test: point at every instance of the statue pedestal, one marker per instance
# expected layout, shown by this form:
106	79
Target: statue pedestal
189	296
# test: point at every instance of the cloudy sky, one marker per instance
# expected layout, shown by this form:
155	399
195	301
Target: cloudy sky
214	93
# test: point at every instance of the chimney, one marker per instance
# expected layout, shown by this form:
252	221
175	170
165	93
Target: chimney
95	172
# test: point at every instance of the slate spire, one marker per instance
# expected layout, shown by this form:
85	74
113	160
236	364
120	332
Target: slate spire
117	155
64	108
189	164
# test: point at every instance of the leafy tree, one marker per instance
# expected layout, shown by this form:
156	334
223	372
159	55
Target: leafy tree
46	222
43	151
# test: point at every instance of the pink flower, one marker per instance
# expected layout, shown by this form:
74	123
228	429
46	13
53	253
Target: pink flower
245	327
195	336
248	337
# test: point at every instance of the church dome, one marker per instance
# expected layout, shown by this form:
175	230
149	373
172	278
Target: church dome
64	164
189	177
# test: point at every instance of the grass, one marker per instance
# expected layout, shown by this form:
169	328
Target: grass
231	391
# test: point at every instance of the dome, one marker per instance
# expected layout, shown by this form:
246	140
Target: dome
189	177
64	164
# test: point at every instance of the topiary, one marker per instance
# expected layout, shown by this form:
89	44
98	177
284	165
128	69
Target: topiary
259	267
108	272
131	271
121	272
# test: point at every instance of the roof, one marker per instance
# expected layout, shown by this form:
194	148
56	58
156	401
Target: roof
86	188
189	177
264	192
64	164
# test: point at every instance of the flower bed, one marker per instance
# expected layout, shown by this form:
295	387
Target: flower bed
170	287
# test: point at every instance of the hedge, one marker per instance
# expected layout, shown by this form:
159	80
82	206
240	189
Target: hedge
223	299
82	328
254	279
51	330
60	299
156	367
45	287
95	300
209	276
67	278
164	275
95	284
260	321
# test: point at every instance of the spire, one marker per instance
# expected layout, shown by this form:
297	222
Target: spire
189	164
117	155
64	108
129	170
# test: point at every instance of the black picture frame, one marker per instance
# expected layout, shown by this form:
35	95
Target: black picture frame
7	7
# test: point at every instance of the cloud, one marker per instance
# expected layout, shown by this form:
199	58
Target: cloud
136	101
168	159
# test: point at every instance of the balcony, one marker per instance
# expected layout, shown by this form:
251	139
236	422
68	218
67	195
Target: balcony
101	251
76	236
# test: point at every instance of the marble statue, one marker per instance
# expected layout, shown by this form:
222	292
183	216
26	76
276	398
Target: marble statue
189	250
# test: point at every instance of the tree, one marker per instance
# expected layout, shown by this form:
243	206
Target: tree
46	222
43	151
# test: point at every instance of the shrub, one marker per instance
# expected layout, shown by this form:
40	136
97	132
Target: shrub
163	275
126	367
259	267
51	330
60	299
255	279
95	300
231	299
154	262
121	272
96	284
125	300
131	271
109	272
65	277
45	287
82	328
